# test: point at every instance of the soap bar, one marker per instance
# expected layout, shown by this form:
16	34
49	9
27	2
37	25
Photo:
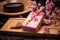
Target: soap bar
14	1
33	22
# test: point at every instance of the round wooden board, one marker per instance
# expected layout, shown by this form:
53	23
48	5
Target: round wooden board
18	13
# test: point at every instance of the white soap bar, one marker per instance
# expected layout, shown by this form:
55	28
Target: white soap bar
14	1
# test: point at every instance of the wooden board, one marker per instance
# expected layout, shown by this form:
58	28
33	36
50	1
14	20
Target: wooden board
12	22
18	13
